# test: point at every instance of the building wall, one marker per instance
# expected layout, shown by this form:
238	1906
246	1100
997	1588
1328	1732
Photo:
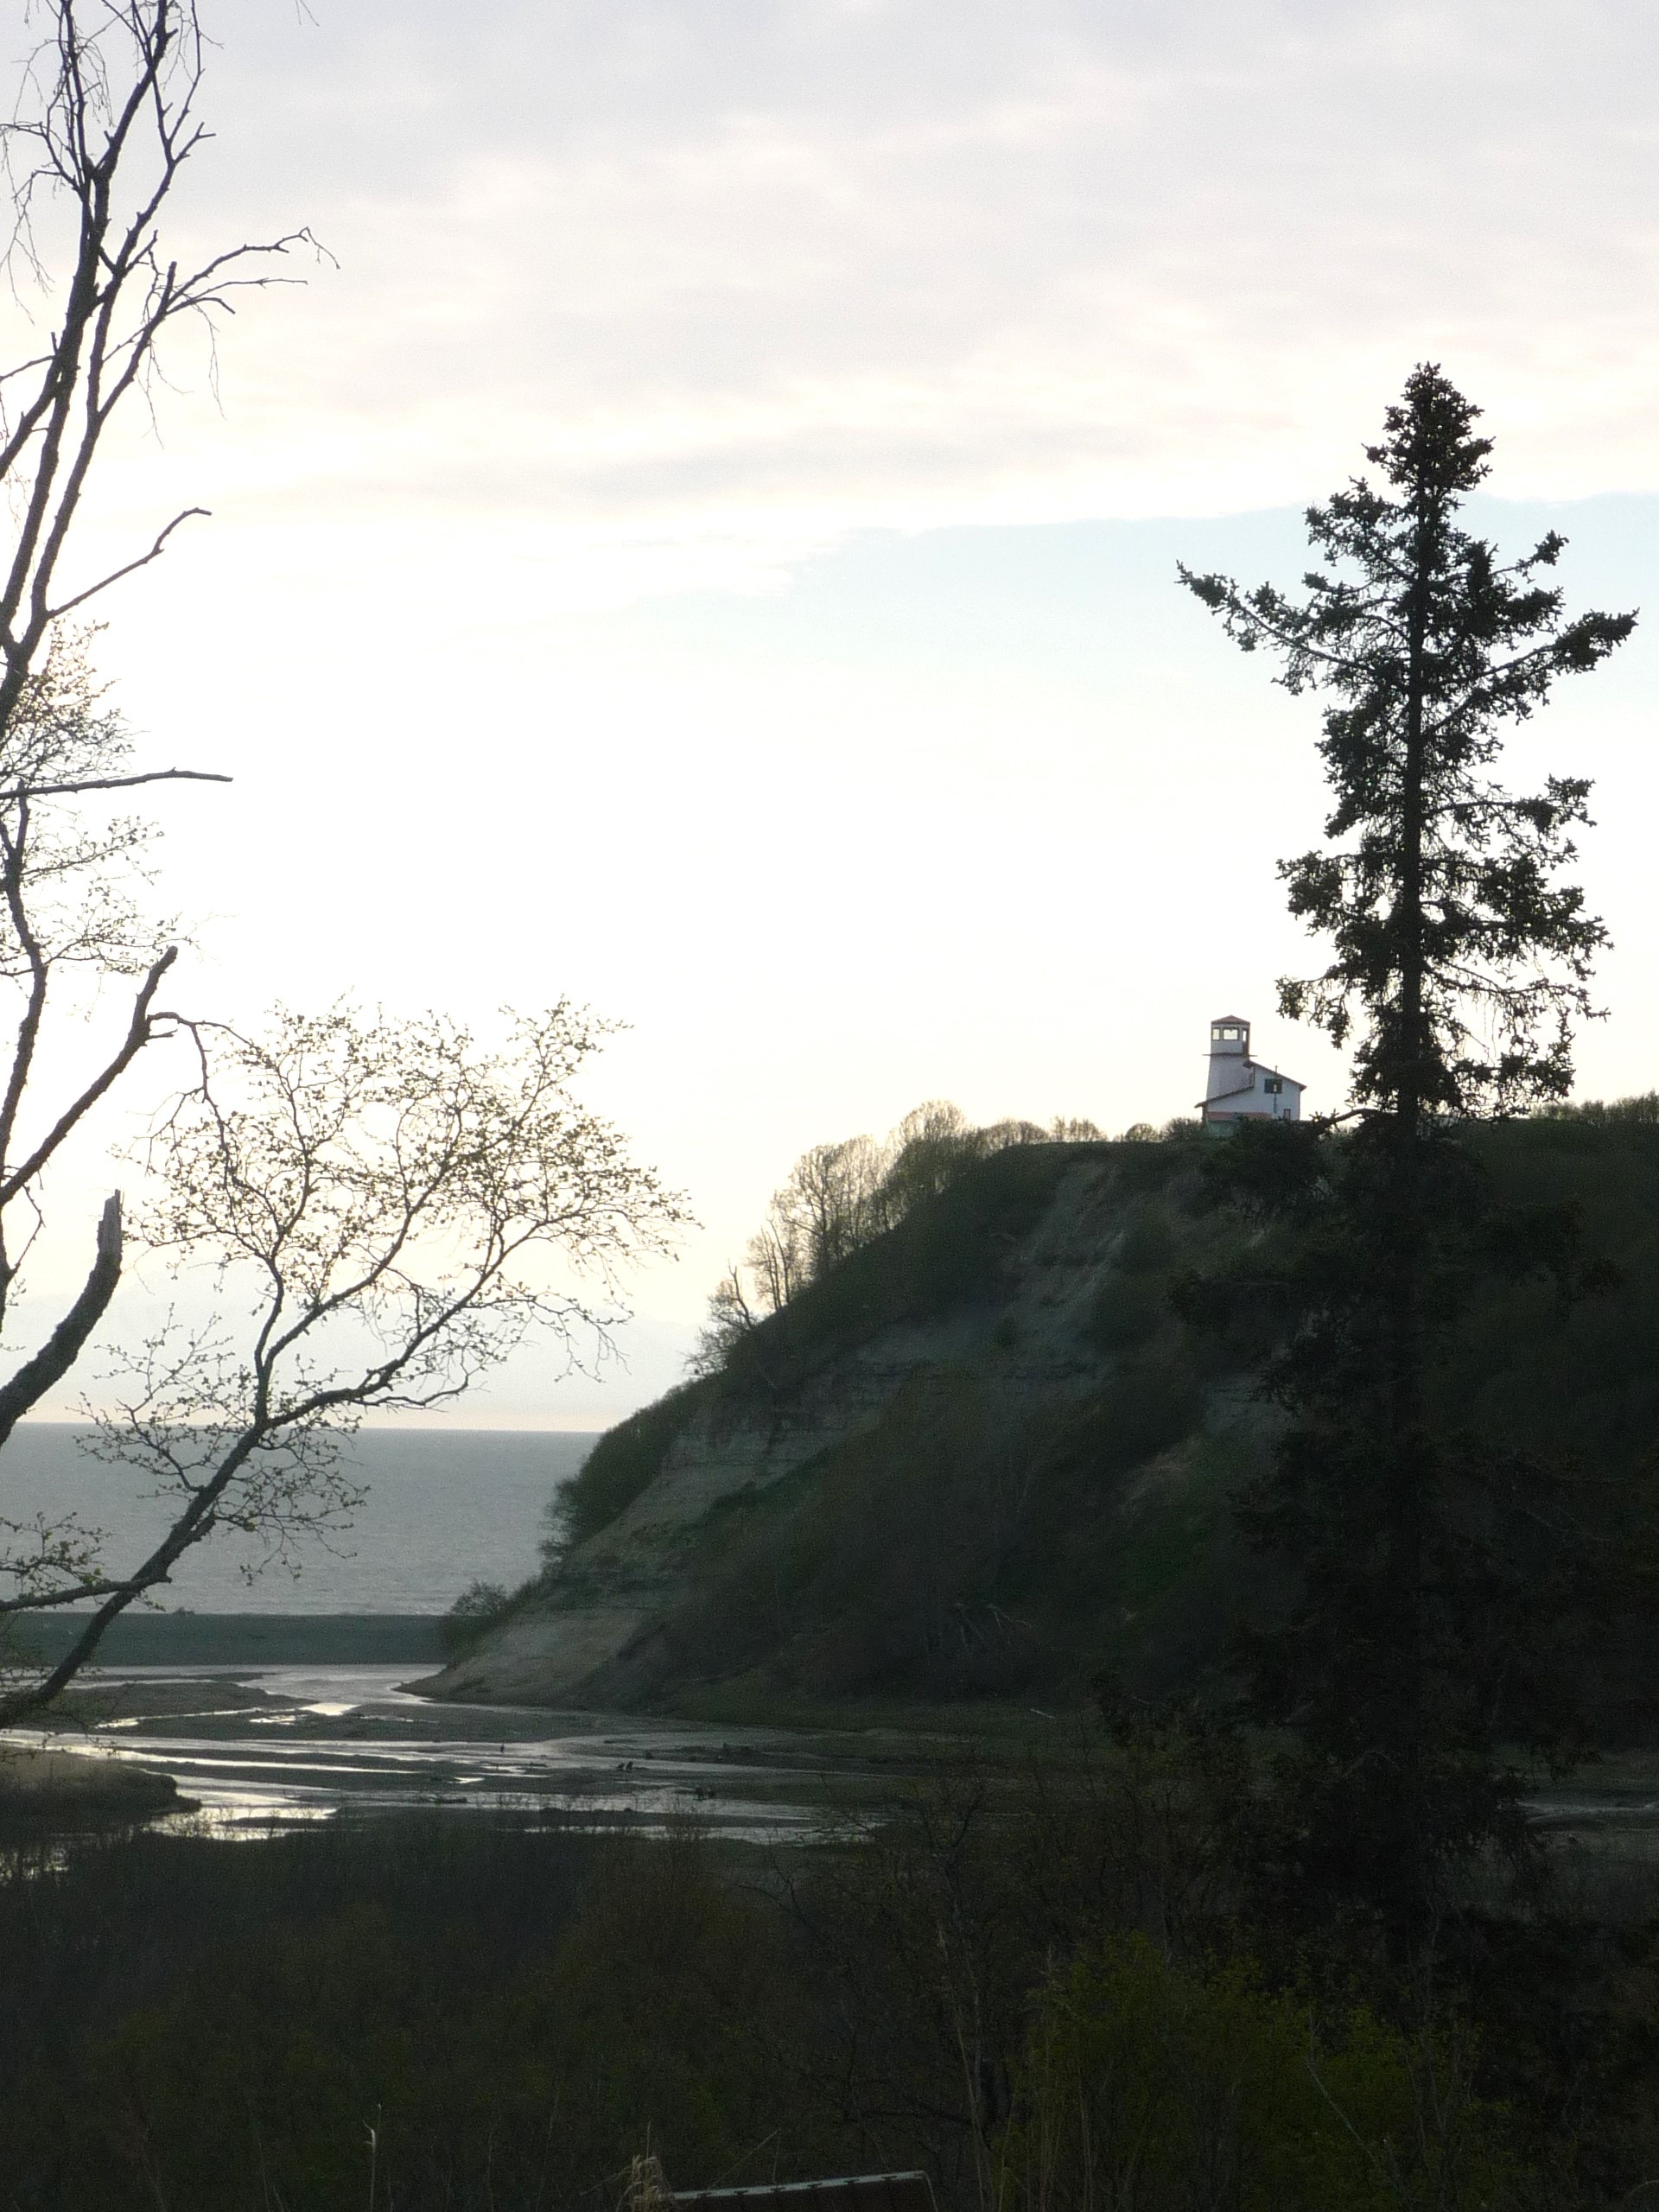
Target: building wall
1226	1069
1258	1104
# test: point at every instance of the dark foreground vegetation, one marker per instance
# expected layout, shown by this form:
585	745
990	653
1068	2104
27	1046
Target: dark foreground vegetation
1058	1989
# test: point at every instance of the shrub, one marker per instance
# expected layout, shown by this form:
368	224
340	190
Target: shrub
626	1460
469	1620
1148	1243
1168	2086
1125	1313
1641	1110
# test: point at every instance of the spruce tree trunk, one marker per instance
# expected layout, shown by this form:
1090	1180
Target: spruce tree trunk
1408	1438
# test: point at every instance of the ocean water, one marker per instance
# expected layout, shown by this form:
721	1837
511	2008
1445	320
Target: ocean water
445	1507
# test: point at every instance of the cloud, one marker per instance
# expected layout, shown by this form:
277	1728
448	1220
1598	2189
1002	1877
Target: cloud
758	272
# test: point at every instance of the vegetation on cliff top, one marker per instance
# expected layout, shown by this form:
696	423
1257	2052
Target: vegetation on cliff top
841	1197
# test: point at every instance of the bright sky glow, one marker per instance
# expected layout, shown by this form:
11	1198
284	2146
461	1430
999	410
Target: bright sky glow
706	547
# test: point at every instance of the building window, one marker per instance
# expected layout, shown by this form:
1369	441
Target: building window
1273	1084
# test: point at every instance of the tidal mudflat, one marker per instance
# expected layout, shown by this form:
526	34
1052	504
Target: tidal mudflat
255	1748
276	1746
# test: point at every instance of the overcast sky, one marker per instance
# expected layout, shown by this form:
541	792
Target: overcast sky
705	541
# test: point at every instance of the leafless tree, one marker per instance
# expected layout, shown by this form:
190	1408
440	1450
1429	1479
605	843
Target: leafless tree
776	1260
928	1150
829	1199
105	123
731	1317
379	1205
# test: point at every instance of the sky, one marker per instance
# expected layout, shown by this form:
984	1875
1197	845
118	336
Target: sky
700	539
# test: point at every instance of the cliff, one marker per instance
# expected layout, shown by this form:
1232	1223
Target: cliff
985	1457
923	1473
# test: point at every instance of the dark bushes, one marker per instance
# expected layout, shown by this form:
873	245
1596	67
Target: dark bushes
481	1607
511	2013
1047	1986
624	1462
1166	2085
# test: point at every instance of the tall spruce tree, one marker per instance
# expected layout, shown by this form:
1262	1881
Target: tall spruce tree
1436	1573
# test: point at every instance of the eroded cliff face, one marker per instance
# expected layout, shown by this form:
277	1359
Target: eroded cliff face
1024	1345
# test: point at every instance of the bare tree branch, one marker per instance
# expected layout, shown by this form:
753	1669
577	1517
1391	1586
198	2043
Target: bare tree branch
128	569
139	1033
400	1204
114	157
67	1341
113	784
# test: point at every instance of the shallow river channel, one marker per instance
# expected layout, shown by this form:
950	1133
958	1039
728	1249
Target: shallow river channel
262	1746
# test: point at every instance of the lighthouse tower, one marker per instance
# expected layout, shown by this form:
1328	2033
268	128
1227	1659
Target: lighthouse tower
1240	1089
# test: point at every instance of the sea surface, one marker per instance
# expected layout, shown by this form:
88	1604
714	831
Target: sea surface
445	1508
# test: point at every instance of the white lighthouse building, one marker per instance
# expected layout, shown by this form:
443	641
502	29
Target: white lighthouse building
1240	1089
